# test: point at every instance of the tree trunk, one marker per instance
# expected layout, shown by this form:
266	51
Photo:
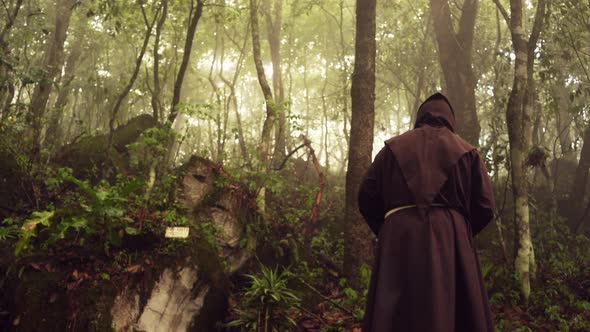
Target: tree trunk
193	18
268	99
357	250
578	192
563	120
273	16
52	64
232	98
123	95
54	131
7	89
157	108
454	52
518	120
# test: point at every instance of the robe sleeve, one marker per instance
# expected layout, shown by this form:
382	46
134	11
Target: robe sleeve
370	197
482	197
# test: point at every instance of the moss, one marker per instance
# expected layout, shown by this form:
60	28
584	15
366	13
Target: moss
89	154
213	311
40	304
95	308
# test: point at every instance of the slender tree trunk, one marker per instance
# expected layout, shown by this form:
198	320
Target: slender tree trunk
232	99
52	65
265	87
123	95
357	250
7	89
273	16
518	120
563	120
157	108
195	14
454	51
54	130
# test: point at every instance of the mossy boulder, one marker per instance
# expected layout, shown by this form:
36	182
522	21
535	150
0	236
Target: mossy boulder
164	285
88	157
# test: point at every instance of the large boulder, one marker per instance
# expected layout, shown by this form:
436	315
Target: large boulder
88	157
172	285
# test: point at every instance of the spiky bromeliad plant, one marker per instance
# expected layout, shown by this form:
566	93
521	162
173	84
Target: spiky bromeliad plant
270	296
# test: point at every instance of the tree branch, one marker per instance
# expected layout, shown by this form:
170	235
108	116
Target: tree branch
502	11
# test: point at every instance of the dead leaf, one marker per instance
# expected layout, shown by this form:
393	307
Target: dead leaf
16	321
36	266
53	297
133	268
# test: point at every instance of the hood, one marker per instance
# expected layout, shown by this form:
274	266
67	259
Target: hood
436	111
427	154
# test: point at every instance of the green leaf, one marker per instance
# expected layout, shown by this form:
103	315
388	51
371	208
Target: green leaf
131	230
28	230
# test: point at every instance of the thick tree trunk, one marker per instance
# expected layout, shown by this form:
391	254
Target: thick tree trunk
52	65
578	191
357	250
454	52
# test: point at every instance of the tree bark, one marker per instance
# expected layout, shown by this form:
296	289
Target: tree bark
232	98
357	250
273	16
264	86
55	130
578	191
52	65
7	89
157	108
518	120
454	52
193	18
123	95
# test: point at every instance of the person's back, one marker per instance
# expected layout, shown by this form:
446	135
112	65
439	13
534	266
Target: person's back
425	195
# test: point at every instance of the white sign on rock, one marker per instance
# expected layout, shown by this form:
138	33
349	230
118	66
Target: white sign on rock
177	232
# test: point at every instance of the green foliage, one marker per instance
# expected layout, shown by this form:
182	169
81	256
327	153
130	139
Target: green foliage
29	229
559	294
266	302
101	210
8	229
355	298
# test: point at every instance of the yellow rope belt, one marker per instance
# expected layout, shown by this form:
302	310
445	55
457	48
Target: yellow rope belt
405	207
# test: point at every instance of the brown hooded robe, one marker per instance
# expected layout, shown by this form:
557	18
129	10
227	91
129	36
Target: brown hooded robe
426	275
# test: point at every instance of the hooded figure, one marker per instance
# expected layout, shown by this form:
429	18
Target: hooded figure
425	196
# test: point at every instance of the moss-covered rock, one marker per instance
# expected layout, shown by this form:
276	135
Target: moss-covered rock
160	285
88	157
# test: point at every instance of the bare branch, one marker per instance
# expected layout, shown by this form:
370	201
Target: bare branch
502	11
